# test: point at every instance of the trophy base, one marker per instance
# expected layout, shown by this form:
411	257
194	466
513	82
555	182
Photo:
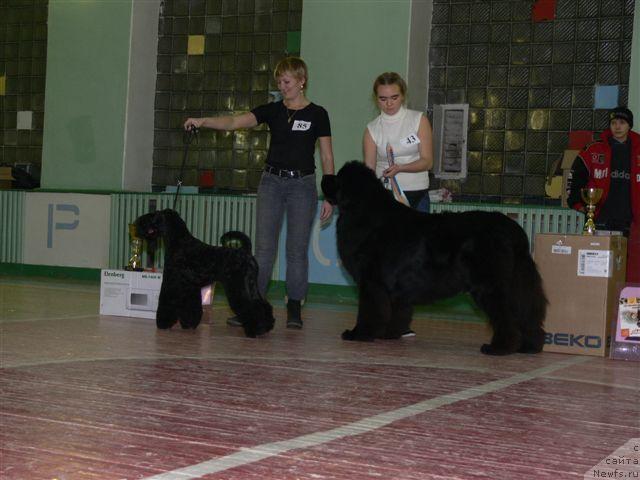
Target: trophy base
589	227
133	269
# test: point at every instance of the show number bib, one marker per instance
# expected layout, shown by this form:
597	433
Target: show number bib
409	140
301	126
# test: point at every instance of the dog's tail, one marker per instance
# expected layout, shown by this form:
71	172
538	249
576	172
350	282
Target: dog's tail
236	239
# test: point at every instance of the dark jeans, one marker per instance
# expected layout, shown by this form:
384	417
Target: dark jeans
298	198
419	200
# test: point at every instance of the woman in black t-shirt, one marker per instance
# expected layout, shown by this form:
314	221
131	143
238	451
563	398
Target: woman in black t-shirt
288	184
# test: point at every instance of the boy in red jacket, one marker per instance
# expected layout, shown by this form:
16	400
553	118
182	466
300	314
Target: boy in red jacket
613	164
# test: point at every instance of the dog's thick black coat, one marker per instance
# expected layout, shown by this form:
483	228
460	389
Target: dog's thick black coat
190	264
399	257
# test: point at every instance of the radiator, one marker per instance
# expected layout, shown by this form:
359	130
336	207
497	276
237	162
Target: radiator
533	220
207	218
11	226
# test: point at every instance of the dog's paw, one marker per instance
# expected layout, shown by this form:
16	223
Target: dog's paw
253	331
391	336
348	335
529	349
186	325
164	325
353	335
489	349
262	330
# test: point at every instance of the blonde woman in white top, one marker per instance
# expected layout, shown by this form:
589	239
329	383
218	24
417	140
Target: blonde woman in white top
408	133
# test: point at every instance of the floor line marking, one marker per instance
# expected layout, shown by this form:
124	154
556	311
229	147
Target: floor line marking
366	425
87	289
46	319
94	315
244	359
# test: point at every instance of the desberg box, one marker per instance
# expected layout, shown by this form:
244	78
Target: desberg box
129	294
582	275
125	293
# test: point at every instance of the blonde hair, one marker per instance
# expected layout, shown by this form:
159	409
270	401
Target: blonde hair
294	66
389	78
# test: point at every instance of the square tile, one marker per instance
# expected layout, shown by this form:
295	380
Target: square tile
24	120
195	45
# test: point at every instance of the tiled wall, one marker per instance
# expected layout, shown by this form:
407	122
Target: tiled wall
527	84
23	59
216	57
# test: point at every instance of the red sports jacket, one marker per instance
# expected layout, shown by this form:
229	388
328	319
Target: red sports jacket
597	158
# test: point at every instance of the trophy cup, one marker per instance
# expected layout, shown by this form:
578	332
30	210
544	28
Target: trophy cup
135	246
591	196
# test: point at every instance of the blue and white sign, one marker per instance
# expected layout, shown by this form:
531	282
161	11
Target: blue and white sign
606	96
67	229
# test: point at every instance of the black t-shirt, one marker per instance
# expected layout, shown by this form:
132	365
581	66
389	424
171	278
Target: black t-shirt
293	134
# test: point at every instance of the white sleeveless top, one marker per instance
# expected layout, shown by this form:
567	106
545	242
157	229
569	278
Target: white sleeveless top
397	131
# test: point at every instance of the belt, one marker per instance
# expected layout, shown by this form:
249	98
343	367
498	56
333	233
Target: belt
287	173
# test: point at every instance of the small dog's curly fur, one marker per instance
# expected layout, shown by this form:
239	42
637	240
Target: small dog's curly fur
399	257
190	264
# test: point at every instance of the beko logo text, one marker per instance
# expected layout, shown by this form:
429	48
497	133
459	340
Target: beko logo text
573	340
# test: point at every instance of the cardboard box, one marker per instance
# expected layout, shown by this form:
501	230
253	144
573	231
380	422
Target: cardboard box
129	294
6	178
582	275
135	294
558	178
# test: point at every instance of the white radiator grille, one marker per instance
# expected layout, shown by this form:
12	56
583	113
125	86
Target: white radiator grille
11	226
206	216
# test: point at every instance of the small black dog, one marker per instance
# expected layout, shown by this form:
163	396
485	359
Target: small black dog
190	264
400	257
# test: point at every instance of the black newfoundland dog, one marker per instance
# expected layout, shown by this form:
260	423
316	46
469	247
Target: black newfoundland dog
190	264
400	257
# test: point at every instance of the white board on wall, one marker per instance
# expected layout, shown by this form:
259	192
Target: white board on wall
67	229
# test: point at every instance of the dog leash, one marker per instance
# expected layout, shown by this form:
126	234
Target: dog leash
188	138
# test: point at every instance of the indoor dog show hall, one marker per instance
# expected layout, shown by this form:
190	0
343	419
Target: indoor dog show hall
459	310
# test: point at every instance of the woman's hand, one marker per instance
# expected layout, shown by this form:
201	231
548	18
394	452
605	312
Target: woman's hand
193	123
392	171
325	211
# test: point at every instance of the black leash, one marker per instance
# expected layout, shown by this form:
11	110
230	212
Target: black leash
188	138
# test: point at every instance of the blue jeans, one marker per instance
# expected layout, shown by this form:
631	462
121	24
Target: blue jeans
298	197
419	200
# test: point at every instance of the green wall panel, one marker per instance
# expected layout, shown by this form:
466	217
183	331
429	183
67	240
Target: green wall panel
346	45
86	93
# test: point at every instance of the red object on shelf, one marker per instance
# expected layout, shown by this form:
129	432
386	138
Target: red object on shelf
578	139
207	178
543	10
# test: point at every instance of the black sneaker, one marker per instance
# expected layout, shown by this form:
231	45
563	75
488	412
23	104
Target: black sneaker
294	319
408	333
234	321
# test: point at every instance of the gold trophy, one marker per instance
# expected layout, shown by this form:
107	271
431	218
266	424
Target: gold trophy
135	245
591	196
